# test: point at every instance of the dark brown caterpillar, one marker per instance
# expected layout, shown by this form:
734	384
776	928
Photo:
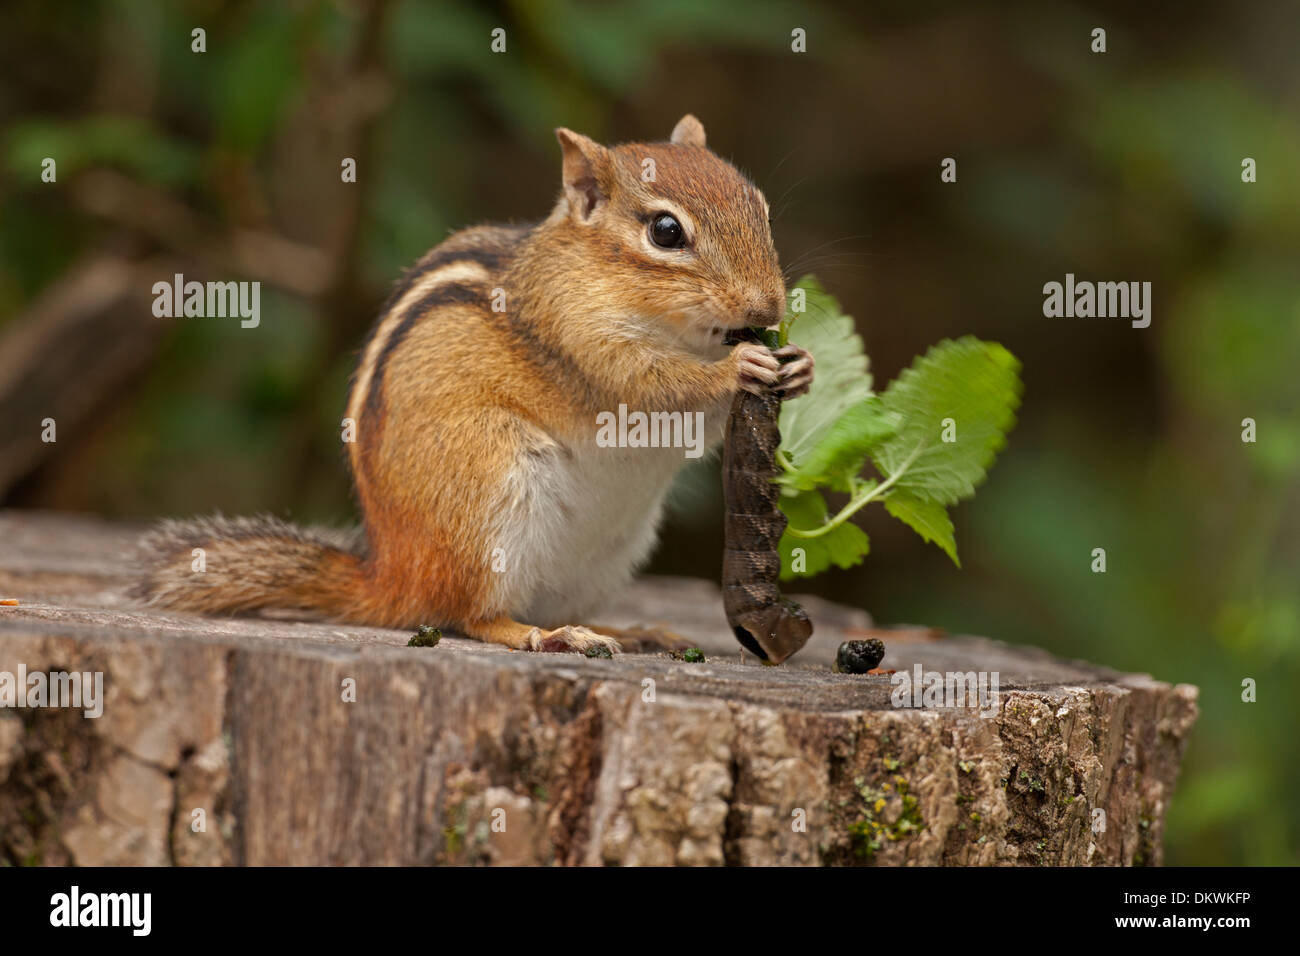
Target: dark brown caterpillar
765	623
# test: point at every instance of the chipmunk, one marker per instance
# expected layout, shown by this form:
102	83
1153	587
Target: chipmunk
488	506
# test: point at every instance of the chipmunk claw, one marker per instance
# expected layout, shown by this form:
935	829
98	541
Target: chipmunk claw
796	371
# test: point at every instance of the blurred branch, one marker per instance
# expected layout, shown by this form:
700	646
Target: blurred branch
347	310
74	350
297	268
94	326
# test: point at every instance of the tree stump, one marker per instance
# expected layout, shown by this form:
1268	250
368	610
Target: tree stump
229	741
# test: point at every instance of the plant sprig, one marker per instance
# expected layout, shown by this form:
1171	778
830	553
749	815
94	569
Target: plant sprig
931	436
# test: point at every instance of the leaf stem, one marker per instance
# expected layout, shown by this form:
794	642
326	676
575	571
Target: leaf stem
857	503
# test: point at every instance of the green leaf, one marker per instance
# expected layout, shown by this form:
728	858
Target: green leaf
843	547
926	518
968	389
842	380
838	458
965	391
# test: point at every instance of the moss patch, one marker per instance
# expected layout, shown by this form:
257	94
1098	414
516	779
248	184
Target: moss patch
888	813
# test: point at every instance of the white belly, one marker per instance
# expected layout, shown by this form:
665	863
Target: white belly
577	526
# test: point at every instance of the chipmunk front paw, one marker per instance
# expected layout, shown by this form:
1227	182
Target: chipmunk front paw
757	368
796	371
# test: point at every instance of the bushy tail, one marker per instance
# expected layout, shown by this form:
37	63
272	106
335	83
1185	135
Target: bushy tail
250	564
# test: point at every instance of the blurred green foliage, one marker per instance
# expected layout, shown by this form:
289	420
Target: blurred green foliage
1117	166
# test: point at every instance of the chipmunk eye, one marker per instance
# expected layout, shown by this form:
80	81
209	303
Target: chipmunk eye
667	232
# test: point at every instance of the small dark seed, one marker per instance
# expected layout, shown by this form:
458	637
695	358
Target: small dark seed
599	651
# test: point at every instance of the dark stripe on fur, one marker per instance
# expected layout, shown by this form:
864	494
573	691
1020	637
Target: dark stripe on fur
454	293
559	365
494	252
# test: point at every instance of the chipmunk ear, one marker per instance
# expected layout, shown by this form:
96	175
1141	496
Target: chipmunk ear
688	132
585	164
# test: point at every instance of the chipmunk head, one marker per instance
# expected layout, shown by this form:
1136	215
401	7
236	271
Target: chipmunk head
677	228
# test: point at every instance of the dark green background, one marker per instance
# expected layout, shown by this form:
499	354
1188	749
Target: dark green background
1122	166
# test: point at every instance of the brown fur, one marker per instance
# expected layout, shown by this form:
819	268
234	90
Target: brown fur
450	394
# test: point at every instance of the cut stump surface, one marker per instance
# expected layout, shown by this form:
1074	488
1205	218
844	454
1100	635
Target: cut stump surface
229	741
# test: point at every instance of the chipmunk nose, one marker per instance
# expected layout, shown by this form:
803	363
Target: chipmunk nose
765	310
